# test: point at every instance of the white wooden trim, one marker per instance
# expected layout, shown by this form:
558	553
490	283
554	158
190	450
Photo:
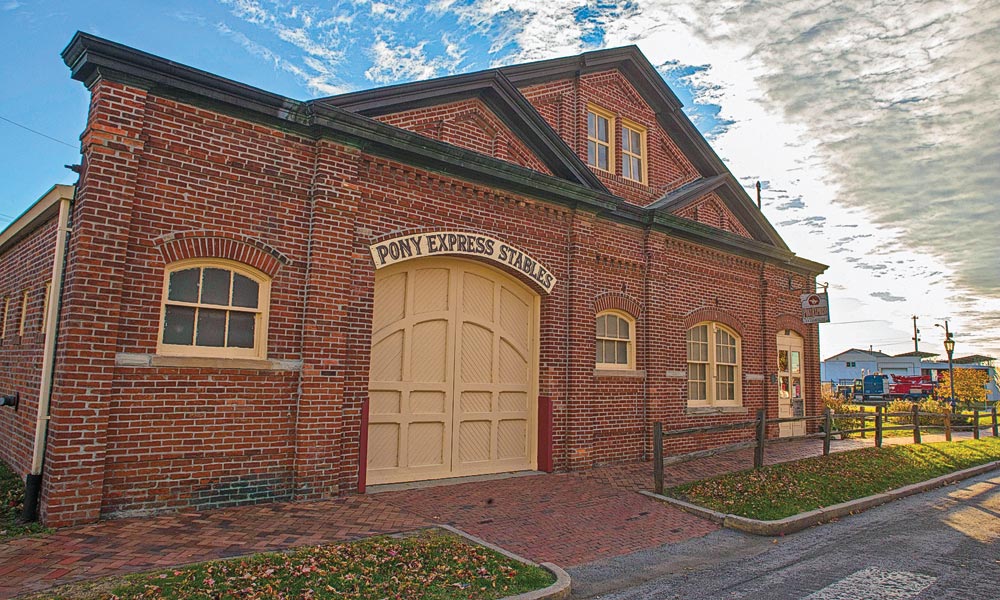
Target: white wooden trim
259	351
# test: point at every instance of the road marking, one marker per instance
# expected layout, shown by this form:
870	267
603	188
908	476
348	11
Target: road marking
875	584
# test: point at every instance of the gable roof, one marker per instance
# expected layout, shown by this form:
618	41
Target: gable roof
869	353
497	93
91	59
916	354
498	88
657	94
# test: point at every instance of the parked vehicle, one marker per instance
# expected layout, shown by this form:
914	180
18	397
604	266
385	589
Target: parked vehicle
876	388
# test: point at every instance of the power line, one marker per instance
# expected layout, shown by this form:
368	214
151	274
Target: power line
26	128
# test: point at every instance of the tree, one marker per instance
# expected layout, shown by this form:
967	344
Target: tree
970	385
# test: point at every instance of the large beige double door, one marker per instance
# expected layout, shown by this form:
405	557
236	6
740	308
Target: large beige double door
452	385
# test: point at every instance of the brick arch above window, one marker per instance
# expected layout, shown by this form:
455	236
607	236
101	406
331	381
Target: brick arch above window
713	314
791	322
201	243
618	301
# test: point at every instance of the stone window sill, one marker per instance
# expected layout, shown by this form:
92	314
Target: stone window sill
626	373
716	410
125	359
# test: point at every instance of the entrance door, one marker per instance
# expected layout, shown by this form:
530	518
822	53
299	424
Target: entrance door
791	402
453	372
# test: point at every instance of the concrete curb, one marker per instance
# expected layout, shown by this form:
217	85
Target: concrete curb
557	591
821	515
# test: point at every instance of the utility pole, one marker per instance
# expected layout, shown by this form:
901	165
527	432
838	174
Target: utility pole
916	336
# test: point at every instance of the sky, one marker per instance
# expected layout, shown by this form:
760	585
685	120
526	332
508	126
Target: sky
874	127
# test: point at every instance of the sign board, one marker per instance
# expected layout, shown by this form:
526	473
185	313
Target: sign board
815	308
442	243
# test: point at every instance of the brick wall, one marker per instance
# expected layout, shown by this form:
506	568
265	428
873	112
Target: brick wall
468	124
564	104
162	179
27	267
711	211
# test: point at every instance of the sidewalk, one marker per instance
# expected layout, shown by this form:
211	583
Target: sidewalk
564	518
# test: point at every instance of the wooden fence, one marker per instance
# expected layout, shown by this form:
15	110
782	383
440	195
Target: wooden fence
828	420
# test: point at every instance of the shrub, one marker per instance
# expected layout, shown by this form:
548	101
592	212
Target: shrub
839	405
939	408
900	406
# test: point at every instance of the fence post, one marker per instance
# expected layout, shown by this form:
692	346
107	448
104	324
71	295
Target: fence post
878	426
828	433
864	421
995	421
975	424
658	457
947	426
758	452
916	424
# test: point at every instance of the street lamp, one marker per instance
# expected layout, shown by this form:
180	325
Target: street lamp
949	347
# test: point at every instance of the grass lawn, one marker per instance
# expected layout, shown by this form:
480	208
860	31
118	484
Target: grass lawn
779	491
428	565
11	504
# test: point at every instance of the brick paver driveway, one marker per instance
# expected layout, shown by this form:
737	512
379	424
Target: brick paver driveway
566	518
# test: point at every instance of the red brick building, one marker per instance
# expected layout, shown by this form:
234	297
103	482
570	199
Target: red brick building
263	298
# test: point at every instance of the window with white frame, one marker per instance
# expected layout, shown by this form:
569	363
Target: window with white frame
633	152
615	337
214	308
714	379
600	149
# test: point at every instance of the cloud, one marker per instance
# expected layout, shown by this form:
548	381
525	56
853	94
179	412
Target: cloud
887	296
12	5
315	40
876	119
398	62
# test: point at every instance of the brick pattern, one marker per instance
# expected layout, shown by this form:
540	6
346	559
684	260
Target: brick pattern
711	211
136	545
209	244
163	180
617	301
568	519
25	268
471	125
564	104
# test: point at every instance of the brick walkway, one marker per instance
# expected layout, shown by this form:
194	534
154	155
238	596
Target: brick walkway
566	518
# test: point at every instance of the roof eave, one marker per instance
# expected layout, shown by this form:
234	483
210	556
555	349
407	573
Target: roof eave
39	213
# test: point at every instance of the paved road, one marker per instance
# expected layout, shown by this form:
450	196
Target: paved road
941	544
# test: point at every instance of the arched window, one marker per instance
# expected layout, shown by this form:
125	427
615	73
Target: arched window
214	308
713	366
615	336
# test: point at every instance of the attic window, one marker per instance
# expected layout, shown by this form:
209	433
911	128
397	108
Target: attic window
600	124
633	151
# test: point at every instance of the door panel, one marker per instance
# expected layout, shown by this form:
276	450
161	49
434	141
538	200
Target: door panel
453	372
790	389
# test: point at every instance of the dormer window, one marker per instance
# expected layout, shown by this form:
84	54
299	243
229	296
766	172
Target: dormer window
633	152
600	124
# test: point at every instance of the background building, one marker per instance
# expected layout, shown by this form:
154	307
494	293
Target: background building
842	369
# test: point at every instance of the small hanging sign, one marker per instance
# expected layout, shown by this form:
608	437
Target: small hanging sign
815	308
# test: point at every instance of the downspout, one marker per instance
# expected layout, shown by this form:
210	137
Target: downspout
647	306
567	348
765	359
33	482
